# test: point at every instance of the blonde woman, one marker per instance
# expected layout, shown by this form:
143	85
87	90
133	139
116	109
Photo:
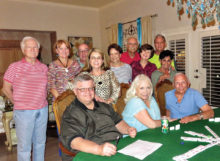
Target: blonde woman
107	87
141	110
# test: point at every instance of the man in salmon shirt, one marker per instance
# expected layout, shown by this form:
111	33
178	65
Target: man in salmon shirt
25	84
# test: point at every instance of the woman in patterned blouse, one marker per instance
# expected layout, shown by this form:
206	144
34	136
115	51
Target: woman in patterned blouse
107	87
62	70
144	66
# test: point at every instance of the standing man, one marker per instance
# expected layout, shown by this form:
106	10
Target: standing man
83	51
131	55
89	126
186	103
160	45
25	84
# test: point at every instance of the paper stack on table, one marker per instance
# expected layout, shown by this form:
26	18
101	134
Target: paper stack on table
140	149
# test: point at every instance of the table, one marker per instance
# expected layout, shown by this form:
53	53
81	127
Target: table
171	143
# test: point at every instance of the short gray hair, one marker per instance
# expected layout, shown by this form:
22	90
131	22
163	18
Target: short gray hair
26	38
81	78
160	35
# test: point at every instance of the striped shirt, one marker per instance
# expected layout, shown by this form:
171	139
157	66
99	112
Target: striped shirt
29	84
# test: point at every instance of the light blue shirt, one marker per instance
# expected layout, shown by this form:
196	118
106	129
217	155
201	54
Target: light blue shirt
190	104
134	106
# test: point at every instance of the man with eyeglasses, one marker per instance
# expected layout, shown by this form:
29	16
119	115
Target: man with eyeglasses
83	51
89	126
131	55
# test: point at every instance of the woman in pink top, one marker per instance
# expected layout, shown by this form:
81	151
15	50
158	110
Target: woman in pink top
62	70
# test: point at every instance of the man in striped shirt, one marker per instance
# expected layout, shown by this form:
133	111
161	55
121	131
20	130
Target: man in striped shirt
25	84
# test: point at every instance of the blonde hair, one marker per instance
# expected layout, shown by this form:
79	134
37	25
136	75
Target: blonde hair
131	92
88	67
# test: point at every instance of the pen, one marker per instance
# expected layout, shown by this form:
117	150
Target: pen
117	140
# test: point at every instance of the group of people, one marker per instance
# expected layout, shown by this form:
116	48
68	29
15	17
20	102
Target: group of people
90	124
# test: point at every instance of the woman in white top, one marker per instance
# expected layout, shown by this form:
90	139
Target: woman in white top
123	71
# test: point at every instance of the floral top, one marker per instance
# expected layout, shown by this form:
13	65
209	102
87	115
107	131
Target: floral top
106	85
58	78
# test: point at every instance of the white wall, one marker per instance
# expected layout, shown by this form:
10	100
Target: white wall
43	16
127	10
167	22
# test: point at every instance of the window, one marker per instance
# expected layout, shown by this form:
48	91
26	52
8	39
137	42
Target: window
210	56
178	47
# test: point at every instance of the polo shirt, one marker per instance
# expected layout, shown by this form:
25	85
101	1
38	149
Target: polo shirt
97	125
190	104
29	84
156	60
127	59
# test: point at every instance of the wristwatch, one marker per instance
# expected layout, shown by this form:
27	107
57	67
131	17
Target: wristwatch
201	116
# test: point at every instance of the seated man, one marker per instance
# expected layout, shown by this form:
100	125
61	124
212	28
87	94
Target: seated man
186	103
89	126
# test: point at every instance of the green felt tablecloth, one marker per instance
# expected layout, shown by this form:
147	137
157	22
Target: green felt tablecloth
171	144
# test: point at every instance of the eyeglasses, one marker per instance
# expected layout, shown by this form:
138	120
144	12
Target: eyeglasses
134	44
31	48
94	58
86	89
83	51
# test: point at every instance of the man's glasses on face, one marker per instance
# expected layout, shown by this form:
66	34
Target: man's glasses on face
86	89
84	51
132	44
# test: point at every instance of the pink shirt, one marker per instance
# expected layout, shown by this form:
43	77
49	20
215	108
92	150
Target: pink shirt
127	59
29	84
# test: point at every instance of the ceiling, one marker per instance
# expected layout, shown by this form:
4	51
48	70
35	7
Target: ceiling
82	3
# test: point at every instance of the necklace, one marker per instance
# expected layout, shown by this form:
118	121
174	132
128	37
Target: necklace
65	66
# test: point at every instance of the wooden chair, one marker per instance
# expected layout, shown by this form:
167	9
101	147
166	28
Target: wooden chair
120	104
160	90
59	106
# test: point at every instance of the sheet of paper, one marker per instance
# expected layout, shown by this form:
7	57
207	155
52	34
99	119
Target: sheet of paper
140	149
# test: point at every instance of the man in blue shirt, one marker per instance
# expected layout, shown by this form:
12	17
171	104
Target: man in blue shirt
186	103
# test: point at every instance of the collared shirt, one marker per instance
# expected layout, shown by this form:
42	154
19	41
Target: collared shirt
190	104
80	63
155	60
97	125
138	69
29	83
127	59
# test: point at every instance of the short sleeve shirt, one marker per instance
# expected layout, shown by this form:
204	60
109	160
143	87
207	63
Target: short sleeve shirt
127	59
155	60
97	125
134	106
29	83
190	104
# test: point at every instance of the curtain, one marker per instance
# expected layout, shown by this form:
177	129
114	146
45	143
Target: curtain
113	34
120	35
139	30
146	26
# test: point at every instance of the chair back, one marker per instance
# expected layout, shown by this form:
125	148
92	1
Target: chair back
120	104
60	104
160	90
